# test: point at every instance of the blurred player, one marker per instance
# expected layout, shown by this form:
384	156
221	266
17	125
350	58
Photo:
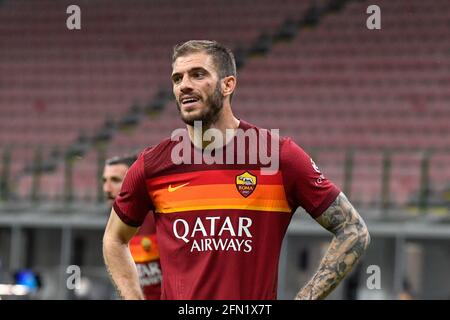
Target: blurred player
143	246
220	225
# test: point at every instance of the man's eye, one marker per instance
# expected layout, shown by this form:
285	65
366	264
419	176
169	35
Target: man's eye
198	75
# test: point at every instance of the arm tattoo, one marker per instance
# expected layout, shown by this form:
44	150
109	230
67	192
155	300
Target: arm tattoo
351	238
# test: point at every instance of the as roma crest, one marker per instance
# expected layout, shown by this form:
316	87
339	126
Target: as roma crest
246	184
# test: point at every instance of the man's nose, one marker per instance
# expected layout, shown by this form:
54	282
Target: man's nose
185	85
107	187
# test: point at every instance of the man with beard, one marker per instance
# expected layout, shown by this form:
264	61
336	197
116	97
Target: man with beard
143	246
220	226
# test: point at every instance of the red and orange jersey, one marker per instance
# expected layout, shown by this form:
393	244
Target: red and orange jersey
219	189
220	226
145	251
144	248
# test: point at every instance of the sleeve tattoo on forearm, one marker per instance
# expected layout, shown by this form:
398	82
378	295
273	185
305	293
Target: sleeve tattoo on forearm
351	239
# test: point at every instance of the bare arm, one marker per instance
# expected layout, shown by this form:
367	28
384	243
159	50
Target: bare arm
118	259
351	238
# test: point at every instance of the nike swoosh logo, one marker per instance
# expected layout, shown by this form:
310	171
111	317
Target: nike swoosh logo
172	189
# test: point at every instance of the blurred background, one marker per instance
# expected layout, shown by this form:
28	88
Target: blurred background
372	107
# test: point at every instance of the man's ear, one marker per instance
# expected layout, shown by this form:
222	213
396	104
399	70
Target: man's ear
228	85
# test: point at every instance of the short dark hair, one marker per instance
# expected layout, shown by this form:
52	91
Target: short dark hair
127	160
223	58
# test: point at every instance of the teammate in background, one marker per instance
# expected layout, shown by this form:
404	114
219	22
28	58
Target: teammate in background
143	246
219	225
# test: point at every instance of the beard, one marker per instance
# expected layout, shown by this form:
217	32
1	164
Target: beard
210	113
110	198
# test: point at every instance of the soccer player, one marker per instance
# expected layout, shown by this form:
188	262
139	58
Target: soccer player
220	224
143	246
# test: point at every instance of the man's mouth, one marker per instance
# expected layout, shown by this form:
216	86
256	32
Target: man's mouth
189	101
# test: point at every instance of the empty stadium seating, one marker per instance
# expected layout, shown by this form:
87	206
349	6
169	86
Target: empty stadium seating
334	87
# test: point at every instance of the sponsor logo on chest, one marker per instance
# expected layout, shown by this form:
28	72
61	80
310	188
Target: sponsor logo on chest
215	233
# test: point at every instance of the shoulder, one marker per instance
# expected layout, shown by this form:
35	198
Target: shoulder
159	149
272	134
286	143
157	156
293	155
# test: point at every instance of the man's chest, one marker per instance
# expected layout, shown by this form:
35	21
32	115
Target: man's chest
217	189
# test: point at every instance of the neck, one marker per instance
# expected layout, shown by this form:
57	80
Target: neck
225	121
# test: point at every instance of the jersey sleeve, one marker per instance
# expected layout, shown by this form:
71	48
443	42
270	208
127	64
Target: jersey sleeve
305	185
133	201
